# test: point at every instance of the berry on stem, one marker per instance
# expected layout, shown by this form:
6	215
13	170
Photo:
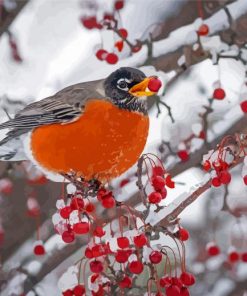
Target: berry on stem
79	290
243	106
212	249
39	250
216	182
233	256
140	240
154	197
158	182
183	234
183	155
111	58
123	242
126	282
219	94
203	30
119	4
155	257
81	228
68	237
101	54
136	267
65	212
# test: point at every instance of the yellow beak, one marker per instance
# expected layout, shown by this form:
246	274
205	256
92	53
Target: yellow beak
139	90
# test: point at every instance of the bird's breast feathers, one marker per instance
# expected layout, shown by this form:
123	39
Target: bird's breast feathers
103	143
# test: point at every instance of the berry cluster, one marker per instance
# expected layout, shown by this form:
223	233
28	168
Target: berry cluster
219	163
109	22
119	253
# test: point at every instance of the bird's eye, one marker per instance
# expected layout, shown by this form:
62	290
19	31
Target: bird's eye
123	84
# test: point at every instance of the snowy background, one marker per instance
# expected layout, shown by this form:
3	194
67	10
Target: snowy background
58	51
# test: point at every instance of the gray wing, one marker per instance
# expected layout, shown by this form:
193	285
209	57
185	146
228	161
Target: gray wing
65	106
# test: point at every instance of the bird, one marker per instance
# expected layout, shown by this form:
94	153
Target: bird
97	129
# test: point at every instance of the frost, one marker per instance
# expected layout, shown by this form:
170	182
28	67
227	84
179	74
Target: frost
60	204
71	189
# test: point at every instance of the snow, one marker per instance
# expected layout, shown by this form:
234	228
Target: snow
57	51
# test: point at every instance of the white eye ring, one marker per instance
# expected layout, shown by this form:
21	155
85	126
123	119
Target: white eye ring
124	82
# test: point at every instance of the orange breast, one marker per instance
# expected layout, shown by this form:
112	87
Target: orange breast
102	144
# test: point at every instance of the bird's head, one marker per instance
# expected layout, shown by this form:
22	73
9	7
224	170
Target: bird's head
127	88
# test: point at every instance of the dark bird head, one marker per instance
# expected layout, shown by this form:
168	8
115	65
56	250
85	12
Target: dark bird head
127	88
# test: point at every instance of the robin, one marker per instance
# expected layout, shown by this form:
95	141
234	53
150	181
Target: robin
97	129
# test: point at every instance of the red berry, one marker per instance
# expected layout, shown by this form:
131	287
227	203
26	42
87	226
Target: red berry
165	281
158	182
68	237
219	94
244	257
108	202
39	250
187	278
124	182
163	193
119	4
183	155
225	177
203	30
68	293
123	32
98	250
65	212
184	291
169	182
233	256
243	106
122	256
101	193
202	135
136	267
206	165
99	231
101	54
96	266
79	290
245	179
140	240
126	282
89	22
123	242
158	171
88	253
77	204
155	257
81	228
108	17
154	197
90	207
154	84
172	290
177	282
183	234
216	182
213	249
111	58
